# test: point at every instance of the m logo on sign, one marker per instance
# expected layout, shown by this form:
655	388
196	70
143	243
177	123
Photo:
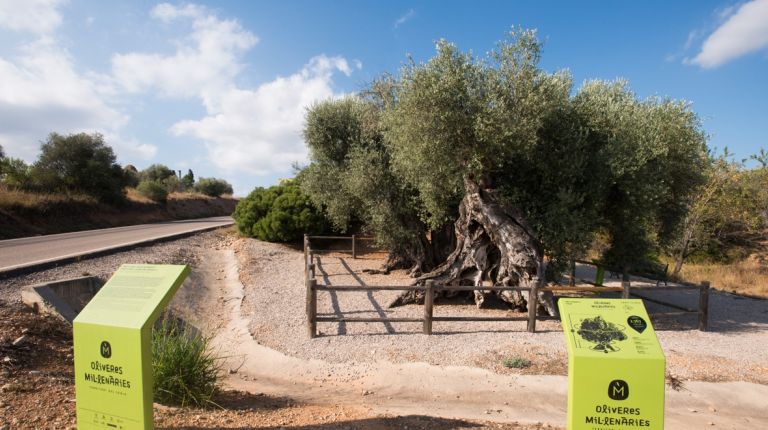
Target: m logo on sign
618	390
106	349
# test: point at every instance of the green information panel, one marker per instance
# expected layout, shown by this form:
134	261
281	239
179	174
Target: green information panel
616	368
113	353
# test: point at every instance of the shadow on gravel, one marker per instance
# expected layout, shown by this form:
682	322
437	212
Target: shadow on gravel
374	303
342	326
727	312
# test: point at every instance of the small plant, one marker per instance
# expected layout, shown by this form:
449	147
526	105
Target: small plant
186	371
516	363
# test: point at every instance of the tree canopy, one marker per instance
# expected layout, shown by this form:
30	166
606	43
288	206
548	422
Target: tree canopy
213	187
81	163
569	162
156	172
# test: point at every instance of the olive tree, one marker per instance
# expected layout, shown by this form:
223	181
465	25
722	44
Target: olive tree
351	176
518	162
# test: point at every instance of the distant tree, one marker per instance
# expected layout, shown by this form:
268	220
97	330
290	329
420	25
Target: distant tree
188	180
281	213
2	153
156	172
761	157
80	163
131	175
15	173
213	187
153	190
726	216
172	184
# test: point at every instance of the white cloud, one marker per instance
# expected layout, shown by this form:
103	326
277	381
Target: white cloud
245	130
744	31
403	19
41	90
254	130
207	60
35	16
259	131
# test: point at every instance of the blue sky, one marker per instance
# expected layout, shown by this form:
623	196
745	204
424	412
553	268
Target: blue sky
222	87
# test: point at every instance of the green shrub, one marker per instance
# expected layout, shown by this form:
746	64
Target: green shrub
186	371
213	187
131	176
281	213
172	184
153	190
516	363
188	180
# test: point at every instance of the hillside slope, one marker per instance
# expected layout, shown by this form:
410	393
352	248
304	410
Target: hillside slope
27	214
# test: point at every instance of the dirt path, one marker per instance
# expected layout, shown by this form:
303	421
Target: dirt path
457	392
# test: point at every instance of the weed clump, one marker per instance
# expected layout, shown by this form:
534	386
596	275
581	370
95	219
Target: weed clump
516	363
186	370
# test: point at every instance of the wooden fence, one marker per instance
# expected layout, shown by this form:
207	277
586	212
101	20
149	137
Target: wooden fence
626	290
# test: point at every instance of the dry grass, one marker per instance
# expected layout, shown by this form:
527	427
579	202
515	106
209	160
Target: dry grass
16	198
748	277
133	195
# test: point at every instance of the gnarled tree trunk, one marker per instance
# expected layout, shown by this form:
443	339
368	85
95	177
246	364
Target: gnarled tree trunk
494	245
423	255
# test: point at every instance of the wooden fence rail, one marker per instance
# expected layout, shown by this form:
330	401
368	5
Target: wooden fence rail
430	289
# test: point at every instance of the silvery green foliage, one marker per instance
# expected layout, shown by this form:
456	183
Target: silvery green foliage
572	161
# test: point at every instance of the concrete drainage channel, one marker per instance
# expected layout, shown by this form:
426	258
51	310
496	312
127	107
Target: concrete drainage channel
63	298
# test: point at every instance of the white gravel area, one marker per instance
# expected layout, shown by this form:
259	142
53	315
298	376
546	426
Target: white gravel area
733	349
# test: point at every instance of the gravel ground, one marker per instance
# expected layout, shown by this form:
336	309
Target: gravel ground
734	349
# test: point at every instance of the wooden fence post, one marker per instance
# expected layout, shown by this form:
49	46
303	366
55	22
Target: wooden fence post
312	308
572	282
354	252
625	283
533	303
429	296
306	262
704	306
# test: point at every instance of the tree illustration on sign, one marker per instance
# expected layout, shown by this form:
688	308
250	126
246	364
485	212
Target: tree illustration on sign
601	332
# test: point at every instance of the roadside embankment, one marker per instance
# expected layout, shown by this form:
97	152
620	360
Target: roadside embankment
28	214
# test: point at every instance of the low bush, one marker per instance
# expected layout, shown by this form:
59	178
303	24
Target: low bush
281	213
186	371
153	190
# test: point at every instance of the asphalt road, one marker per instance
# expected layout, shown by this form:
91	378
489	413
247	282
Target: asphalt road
27	252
